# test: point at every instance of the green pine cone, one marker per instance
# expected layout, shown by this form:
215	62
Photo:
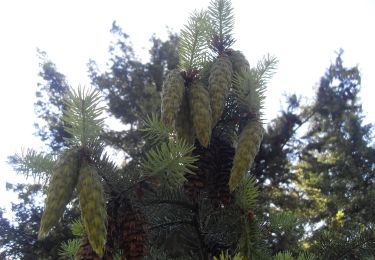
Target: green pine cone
247	148
60	190
184	122
200	112
172	94
239	62
219	85
92	202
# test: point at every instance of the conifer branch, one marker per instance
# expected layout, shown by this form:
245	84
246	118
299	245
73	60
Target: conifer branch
77	228
170	161
250	86
82	117
173	202
265	69
173	223
283	220
286	255
247	194
222	22
69	249
33	164
192	48
155	131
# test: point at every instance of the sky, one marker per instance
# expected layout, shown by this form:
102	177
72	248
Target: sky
303	35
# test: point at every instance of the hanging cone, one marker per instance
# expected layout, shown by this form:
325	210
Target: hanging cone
219	85
200	110
172	94
86	252
248	145
60	190
184	124
239	61
92	203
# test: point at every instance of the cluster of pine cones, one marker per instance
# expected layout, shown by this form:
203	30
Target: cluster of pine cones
194	109
74	171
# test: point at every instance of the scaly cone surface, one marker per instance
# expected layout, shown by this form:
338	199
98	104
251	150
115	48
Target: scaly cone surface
184	122
92	202
247	148
172	94
201	112
239	61
60	190
219	85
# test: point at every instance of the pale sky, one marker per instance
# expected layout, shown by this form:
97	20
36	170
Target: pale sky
304	36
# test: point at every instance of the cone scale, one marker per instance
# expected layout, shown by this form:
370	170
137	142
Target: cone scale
200	112
92	203
172	94
219	85
184	122
60	190
239	62
247	148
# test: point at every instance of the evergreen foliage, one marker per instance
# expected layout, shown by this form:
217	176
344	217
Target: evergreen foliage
192	47
49	105
222	22
198	184
34	164
82	117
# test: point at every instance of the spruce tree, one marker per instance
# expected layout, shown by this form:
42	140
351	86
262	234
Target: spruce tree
194	185
52	91
197	195
335	168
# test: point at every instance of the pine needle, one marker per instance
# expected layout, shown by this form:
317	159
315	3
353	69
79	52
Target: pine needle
170	161
82	116
222	22
192	48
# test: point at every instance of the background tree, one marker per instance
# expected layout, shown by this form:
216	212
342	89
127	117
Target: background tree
188	206
131	88
49	105
273	168
53	88
336	164
20	238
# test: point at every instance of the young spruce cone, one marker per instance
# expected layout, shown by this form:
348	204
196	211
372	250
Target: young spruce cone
86	252
184	122
239	62
247	148
60	190
219	85
92	202
200	112
134	236
172	94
